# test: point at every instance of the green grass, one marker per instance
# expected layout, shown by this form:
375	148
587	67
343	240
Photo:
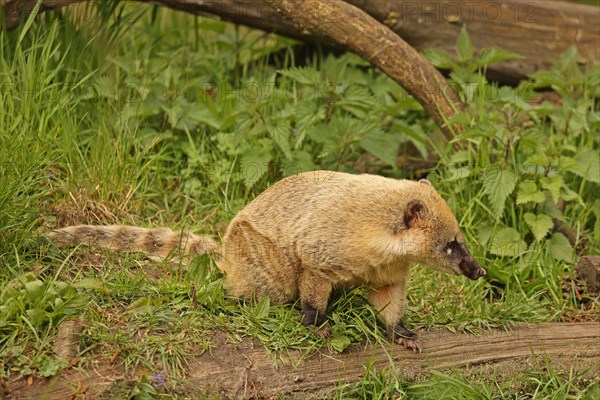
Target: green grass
541	382
156	118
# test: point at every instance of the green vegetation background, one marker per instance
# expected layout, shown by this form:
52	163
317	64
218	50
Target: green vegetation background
154	118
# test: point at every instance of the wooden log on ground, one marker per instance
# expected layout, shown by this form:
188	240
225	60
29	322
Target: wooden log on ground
246	370
539	30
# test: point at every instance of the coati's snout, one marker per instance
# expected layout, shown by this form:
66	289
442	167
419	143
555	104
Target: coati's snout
471	269
458	252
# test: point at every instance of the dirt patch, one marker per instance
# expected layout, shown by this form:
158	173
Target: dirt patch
245	370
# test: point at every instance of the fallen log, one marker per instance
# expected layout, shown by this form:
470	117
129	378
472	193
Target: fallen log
246	370
539	30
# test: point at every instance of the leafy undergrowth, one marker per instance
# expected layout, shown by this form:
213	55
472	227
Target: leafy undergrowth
154	118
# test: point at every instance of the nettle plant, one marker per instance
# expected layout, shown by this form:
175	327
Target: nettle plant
522	165
333	115
243	112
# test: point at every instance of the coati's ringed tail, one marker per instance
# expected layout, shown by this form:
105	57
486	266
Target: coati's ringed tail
154	242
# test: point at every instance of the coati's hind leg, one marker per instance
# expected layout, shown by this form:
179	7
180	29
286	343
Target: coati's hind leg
314	297
255	265
391	302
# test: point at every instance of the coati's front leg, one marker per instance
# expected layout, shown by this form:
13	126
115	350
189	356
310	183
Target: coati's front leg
314	297
391	302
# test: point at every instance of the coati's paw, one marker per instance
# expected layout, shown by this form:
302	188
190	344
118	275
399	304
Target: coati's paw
312	316
324	331
400	334
410	344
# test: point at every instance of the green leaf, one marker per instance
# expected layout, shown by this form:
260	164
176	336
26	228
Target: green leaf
30	19
459	156
551	209
280	133
508	95
507	242
588	165
567	163
458	173
571	118
357	100
204	115
569	57
302	162
35	289
570	195
142	305
91	283
50	366
464	48
538	159
560	248
551	78
304	75
492	55
36	316
340	342
461	118
439	58
540	224
254	162
415	135
553	185
262	308
475	132
528	192
382	145
484	233
498	184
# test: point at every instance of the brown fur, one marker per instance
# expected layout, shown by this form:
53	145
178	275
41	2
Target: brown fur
316	231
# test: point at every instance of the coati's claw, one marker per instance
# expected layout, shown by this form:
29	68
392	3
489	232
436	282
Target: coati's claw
400	334
324	331
410	344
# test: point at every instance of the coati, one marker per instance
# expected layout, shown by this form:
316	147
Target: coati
316	231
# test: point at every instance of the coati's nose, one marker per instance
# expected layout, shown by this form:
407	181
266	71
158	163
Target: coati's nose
471	269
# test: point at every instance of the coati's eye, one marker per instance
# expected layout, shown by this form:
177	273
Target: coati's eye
450	246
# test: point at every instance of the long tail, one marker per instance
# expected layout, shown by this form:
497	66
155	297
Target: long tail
154	242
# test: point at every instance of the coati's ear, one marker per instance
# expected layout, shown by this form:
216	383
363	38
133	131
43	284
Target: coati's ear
425	181
415	211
